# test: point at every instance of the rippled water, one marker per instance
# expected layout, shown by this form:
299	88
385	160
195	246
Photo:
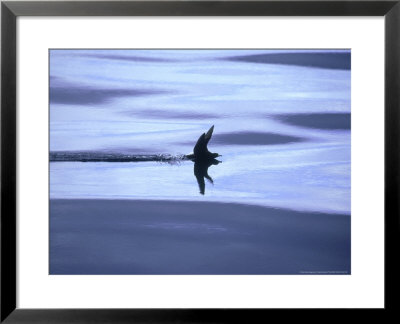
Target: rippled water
282	125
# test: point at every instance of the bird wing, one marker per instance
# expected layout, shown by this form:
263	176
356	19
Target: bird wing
201	145
209	134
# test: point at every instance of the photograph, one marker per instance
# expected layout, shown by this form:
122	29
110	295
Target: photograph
199	161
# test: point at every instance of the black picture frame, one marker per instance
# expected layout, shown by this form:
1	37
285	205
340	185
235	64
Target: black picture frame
10	10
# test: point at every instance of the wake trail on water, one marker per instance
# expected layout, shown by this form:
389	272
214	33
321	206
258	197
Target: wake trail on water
115	157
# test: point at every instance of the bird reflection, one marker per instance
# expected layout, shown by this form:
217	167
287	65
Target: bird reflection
203	159
201	172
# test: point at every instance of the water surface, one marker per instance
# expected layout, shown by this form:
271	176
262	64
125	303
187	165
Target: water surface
124	199
282	124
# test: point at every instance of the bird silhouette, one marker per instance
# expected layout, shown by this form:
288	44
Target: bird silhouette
203	159
200	150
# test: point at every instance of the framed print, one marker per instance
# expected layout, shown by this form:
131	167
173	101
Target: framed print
159	185
191	161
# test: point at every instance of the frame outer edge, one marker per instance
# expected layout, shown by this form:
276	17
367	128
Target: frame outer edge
392	154
203	8
8	162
